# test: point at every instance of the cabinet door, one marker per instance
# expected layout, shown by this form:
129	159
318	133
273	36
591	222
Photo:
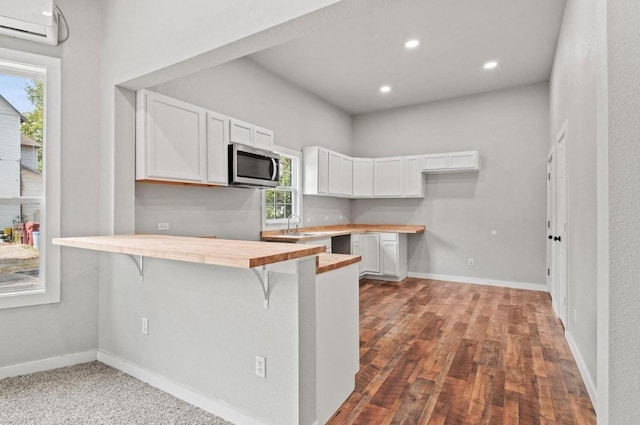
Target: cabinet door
438	161
241	132
323	171
370	252
387	177
335	160
217	153
412	177
362	177
346	176
262	138
390	258
174	137
463	160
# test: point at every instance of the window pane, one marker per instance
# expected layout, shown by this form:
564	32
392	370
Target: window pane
288	210
287	198
21	141
280	196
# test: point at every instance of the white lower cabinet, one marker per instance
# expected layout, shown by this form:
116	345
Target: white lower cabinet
389	254
384	255
370	252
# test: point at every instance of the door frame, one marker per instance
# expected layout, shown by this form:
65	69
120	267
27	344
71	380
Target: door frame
562	262
551	275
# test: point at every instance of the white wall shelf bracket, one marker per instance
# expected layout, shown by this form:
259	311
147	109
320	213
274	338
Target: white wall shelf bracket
139	265
263	278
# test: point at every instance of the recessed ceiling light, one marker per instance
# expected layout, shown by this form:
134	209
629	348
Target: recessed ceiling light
490	65
412	44
385	89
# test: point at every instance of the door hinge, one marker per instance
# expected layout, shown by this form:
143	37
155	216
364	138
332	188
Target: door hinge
548	272
548	224
549	176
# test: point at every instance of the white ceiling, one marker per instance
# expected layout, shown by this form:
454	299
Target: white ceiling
347	64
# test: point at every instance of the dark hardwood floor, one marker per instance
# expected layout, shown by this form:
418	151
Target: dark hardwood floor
436	352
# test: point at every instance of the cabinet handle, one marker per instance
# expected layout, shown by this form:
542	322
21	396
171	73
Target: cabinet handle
550	237
558	238
274	165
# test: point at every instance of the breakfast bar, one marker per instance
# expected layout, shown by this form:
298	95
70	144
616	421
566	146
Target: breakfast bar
207	328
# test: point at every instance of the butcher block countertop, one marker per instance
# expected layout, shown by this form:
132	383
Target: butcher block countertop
222	252
327	262
320	232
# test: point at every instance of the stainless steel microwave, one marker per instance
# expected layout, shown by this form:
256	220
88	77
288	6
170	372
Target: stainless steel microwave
251	167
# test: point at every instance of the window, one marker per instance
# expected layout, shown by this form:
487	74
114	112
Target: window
283	201
29	178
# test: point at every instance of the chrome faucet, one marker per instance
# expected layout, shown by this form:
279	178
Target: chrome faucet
289	223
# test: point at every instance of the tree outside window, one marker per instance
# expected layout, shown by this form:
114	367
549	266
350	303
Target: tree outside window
281	201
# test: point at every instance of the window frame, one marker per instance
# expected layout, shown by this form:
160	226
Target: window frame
24	64
296	189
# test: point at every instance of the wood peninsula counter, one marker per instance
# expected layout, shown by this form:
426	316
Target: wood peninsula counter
208	323
221	252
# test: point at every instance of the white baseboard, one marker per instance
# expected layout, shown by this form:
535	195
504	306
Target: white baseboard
47	364
582	367
163	383
480	281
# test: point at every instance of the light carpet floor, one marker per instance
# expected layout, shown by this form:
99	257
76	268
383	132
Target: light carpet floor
92	393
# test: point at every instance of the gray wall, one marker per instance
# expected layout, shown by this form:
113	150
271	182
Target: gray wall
246	91
573	98
34	333
510	129
178	313
624	211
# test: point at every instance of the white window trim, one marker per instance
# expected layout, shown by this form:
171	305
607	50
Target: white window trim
297	207
49	290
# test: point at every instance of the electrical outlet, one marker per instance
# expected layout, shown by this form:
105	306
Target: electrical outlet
163	226
145	326
261	366
471	262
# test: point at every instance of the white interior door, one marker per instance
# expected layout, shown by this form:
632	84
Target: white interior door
560	239
552	282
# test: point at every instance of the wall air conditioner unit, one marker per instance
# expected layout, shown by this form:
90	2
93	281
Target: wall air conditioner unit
35	20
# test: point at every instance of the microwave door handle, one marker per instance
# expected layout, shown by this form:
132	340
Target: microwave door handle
274	165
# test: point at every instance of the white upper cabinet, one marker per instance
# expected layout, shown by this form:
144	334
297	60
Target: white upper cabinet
240	132
326	172
346	176
217	152
262	138
387	177
335	186
450	162
170	139
437	161
334	174
362	177
315	166
412	173
251	135
463	160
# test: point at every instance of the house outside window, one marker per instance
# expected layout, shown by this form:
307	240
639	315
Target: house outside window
284	200
29	178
